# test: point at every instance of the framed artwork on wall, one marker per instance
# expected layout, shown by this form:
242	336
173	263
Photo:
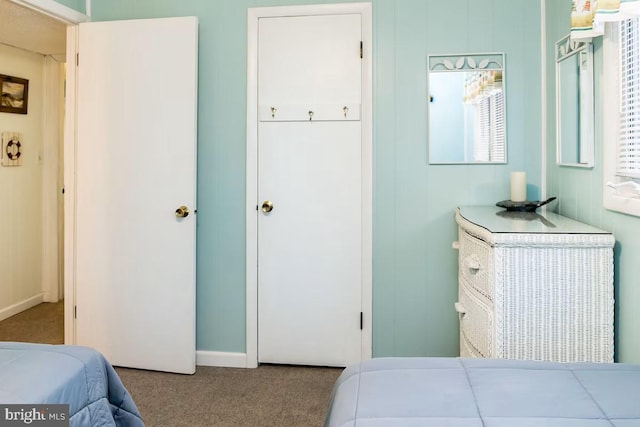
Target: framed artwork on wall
15	94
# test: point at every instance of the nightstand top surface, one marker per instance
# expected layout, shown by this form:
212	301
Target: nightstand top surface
498	220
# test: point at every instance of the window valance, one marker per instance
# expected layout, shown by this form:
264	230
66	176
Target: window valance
588	16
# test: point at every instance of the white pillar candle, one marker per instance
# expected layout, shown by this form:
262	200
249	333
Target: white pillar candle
518	187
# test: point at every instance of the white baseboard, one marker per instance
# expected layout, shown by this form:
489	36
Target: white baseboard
7	312
221	359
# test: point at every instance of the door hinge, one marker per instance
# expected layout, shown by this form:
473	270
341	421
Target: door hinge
361	49
75	311
78	59
361	320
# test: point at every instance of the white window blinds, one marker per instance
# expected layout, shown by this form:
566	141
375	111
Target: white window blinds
497	131
628	154
489	132
482	131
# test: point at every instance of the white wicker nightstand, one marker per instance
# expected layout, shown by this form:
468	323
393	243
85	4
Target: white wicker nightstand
533	286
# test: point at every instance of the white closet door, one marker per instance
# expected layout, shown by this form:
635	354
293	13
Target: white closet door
310	170
136	164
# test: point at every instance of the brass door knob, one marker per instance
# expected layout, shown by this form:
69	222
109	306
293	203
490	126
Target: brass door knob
267	206
182	212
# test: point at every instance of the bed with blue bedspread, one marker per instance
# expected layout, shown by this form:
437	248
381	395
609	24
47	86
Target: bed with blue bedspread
73	375
452	392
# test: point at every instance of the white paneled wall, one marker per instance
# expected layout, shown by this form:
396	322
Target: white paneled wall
21	192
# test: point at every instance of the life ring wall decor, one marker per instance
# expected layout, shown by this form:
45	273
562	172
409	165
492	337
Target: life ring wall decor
11	149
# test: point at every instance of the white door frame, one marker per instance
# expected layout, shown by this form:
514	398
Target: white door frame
56	10
253	15
52	130
70	143
70	17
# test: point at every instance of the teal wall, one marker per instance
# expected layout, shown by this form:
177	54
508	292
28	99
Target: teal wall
580	192
446	90
414	266
79	5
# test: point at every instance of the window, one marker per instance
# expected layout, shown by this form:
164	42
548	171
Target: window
621	116
497	132
482	134
487	100
628	163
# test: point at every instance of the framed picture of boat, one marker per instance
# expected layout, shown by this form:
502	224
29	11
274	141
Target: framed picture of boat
15	94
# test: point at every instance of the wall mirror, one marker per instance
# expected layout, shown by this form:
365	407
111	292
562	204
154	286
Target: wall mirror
574	103
467	111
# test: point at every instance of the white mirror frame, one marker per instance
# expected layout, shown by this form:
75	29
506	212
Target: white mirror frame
564	49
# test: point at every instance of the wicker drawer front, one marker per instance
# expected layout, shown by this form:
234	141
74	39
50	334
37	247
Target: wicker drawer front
476	323
475	263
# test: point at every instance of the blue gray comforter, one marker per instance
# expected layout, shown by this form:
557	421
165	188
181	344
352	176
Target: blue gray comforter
429	392
74	375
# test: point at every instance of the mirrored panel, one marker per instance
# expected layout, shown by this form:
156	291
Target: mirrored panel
574	103
467	111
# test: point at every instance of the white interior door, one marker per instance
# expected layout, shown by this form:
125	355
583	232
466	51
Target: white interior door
310	170
135	165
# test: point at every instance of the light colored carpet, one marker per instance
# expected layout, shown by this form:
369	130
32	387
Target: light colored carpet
271	395
43	323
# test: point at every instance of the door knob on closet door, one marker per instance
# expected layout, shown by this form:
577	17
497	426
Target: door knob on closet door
182	212
267	206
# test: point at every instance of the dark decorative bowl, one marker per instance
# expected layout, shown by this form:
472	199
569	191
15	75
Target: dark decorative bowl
528	206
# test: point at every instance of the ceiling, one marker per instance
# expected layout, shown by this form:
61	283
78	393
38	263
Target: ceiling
29	30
